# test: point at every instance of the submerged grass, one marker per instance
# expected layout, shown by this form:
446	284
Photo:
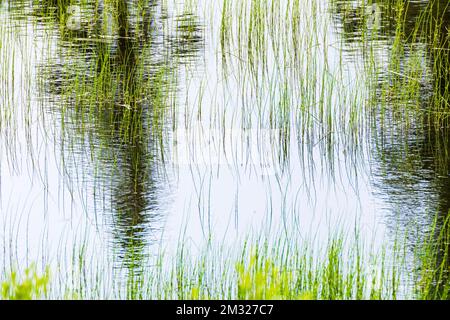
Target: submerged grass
277	55
281	71
118	85
342	269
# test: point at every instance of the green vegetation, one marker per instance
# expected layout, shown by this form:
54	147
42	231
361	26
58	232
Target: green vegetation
347	89
342	269
31	286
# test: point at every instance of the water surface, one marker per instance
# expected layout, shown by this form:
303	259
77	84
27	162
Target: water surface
125	128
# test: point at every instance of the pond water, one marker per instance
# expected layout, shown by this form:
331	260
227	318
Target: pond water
130	127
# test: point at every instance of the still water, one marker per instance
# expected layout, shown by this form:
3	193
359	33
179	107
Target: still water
129	127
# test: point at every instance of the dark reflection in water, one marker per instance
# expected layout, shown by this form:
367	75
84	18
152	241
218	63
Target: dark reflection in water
411	162
133	209
110	80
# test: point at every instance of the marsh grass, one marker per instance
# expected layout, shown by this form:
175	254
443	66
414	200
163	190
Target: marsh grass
27	287
342	269
277	55
433	275
114	98
280	57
